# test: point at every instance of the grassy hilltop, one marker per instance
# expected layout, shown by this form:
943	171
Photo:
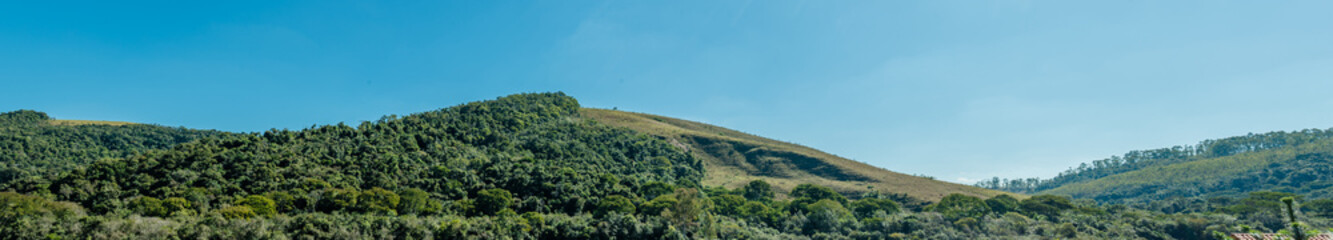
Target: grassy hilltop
734	158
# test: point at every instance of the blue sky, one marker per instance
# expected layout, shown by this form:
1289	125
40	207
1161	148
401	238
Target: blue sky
960	90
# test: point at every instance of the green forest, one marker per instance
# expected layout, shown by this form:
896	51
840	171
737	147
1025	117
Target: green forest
530	166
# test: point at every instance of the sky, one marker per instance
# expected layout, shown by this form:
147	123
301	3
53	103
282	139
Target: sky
958	90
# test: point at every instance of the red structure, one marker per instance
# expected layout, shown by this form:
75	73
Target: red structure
1274	236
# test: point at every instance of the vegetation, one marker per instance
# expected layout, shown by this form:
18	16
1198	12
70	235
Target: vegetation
35	147
1231	167
529	166
734	159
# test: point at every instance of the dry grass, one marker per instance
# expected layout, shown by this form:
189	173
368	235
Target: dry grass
732	173
86	122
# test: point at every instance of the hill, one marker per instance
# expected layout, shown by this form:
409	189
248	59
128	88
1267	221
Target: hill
734	158
34	146
530	145
1292	162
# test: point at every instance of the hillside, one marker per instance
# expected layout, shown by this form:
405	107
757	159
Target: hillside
734	158
34	146
1293	162
526	166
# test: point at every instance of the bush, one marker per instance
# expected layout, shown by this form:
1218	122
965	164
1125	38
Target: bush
956	206
759	190
285	202
260	205
378	200
614	203
235	212
1001	204
176	205
491	201
866	207
416	201
148	206
657	205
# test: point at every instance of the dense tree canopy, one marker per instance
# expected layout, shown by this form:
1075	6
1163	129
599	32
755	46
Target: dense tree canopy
33	148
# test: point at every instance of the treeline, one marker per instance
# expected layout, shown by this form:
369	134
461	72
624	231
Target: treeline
750	212
1300	170
32	149
1141	159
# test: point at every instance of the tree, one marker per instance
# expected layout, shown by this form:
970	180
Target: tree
234	212
614	203
1319	207
1045	205
378	200
658	205
415	201
1002	203
175	205
866	207
260	205
1290	203
955	206
338	199
728	204
689	206
655	188
805	194
817	192
491	201
759	190
827	215
148	206
285	202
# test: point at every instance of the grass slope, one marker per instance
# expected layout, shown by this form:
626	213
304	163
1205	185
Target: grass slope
1300	169
733	158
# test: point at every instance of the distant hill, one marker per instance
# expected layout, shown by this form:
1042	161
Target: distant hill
734	158
1294	162
33	145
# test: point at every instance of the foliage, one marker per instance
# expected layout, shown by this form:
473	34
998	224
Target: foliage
1228	167
868	207
659	204
1001	204
614	203
690	205
261	205
242	212
956	206
520	167
806	194
737	158
759	190
491	201
378	200
32	150
1049	206
416	201
148	206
